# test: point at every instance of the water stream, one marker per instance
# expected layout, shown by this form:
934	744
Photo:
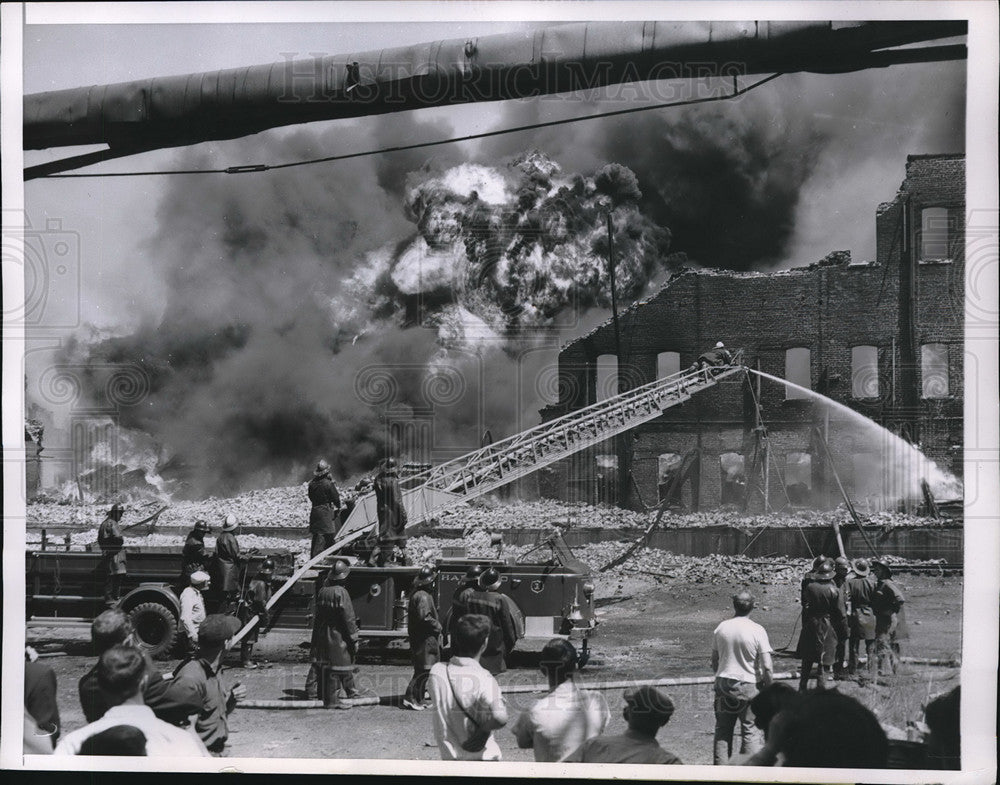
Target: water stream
901	465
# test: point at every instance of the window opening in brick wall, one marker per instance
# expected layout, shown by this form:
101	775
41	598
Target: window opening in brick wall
934	234
868	487
934	370
606	377
667	364
797	371
606	473
798	477
864	372
667	466
734	478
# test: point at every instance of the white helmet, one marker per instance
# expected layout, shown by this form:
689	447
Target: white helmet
720	345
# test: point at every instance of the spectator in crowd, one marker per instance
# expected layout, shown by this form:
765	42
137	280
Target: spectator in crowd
36	741
334	641
824	618
741	659
459	601
113	561
424	633
488	602
467	702
647	709
193	610
194	556
40	694
556	725
324	517
203	673
254	603
887	603
777	699
118	740
121	676
169	700
227	562
861	592
943	720
830	730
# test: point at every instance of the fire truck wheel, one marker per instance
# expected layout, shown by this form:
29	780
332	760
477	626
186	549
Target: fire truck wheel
155	628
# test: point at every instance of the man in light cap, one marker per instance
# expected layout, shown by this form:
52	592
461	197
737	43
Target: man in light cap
112	545
324	517
228	561
203	672
193	609
741	659
647	709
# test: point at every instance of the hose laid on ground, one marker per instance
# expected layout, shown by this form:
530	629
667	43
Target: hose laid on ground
513	689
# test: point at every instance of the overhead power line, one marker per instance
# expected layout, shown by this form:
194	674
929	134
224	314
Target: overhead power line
255	168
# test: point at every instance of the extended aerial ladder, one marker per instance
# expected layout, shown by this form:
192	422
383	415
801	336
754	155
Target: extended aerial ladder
475	474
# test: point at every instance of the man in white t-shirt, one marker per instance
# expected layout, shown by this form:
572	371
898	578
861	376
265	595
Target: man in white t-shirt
559	723
121	675
466	699
741	659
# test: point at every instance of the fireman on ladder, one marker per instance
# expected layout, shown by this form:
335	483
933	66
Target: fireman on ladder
715	358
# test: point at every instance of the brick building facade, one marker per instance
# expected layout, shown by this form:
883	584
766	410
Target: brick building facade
883	338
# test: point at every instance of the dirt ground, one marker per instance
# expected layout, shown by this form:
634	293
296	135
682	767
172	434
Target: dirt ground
648	629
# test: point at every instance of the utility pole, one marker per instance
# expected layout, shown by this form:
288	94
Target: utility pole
621	441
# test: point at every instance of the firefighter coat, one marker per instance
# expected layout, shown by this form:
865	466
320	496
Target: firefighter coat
194	557
503	632
254	603
824	618
335	629
324	517
423	630
391	513
112	545
227	561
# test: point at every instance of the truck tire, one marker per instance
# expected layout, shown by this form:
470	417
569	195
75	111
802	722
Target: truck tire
155	628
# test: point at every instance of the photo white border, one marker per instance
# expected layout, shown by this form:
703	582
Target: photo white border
982	533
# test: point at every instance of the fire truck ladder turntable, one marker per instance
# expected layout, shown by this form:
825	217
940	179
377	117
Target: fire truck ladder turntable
477	473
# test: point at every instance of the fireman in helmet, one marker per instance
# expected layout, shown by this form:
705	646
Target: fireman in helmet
459	601
112	545
391	514
228	561
424	632
254	603
194	557
503	633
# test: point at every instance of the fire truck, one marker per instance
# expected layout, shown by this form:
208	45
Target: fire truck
549	596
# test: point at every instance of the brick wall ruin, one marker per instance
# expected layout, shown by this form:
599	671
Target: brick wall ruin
884	338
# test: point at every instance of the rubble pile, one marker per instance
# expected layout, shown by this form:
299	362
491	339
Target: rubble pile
289	507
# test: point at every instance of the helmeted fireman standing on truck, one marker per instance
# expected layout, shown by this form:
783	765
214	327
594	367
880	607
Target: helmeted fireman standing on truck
391	513
228	559
324	518
112	545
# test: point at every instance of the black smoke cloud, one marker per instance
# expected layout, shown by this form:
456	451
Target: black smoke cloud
779	176
288	290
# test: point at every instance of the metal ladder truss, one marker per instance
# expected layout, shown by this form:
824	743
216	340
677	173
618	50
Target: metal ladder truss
477	473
